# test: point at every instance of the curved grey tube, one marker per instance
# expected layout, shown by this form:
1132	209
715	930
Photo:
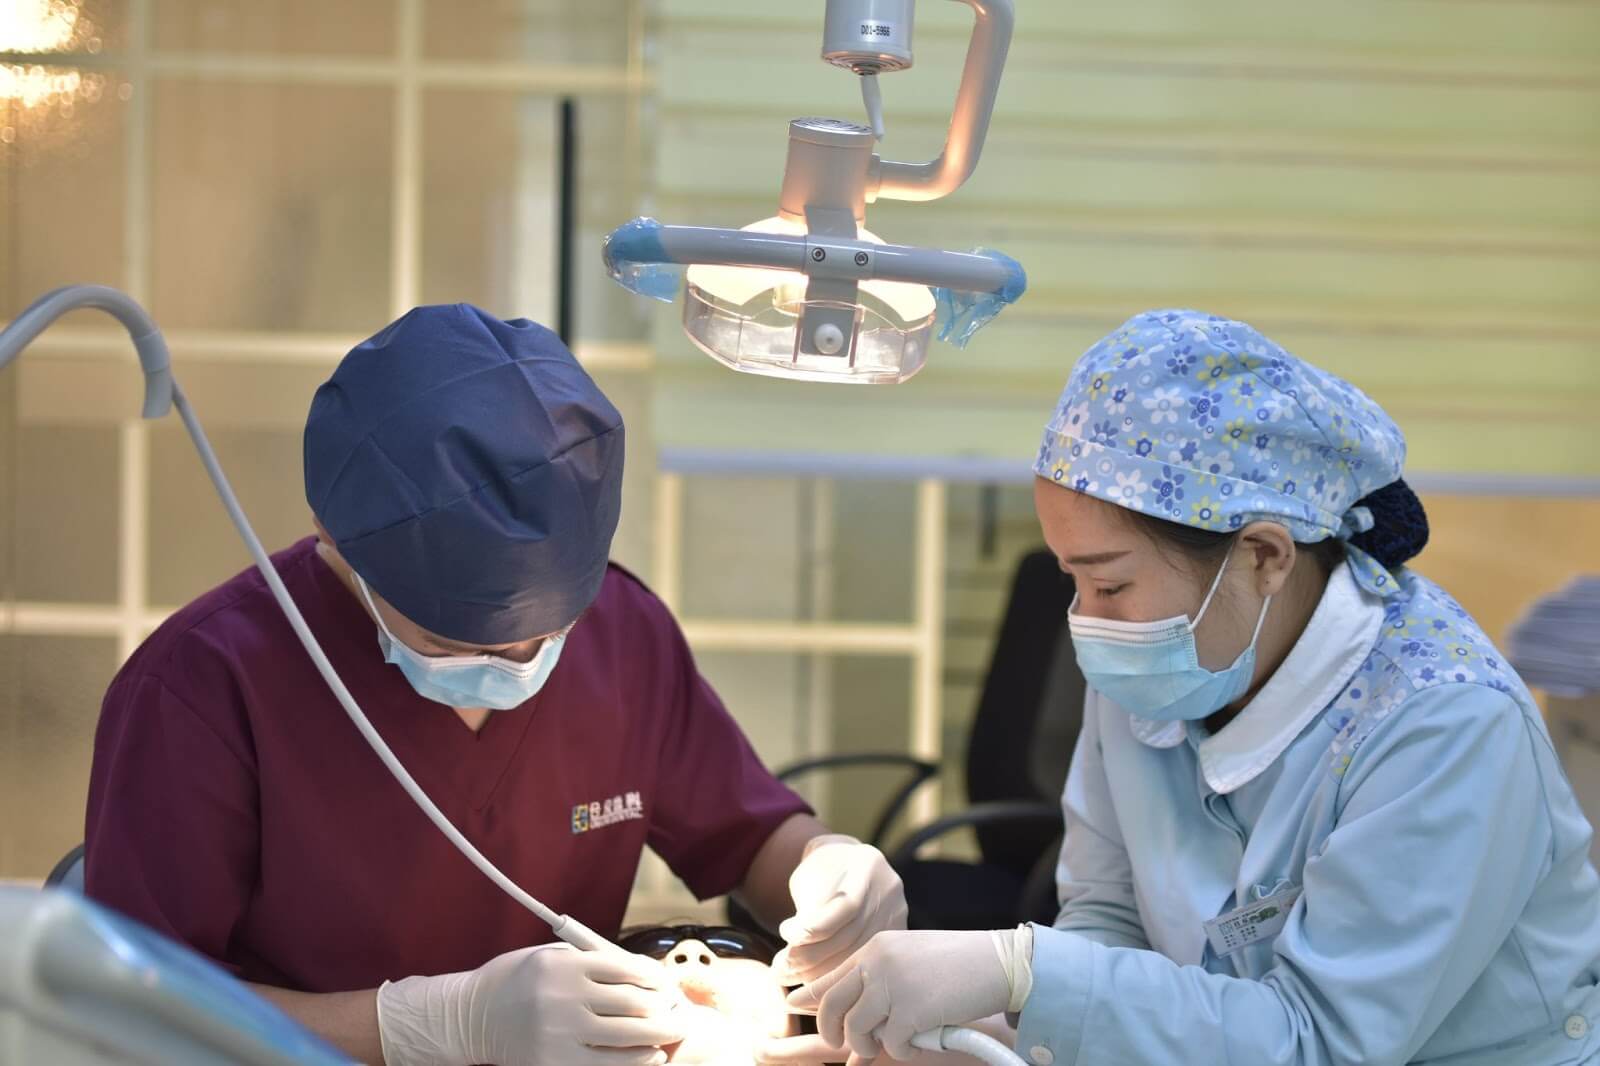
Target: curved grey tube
980	1046
147	340
158	373
969	123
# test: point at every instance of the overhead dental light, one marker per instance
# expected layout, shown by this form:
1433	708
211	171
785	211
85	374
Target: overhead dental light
810	293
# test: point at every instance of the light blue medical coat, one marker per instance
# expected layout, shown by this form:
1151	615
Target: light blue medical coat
1397	772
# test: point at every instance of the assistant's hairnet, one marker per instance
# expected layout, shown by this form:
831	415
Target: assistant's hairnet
471	471
1201	420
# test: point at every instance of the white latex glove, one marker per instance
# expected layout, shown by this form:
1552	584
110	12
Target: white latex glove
901	984
534	1006
844	891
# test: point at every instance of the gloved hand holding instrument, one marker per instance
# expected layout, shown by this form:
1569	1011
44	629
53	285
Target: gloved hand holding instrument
536	1005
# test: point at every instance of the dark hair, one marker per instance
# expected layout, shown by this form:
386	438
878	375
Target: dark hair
1399	532
1399	525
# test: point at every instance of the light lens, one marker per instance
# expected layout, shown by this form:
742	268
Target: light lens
748	319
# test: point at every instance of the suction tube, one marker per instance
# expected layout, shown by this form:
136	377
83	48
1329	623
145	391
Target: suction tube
980	1046
646	243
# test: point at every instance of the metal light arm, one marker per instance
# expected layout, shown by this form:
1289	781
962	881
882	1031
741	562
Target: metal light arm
969	124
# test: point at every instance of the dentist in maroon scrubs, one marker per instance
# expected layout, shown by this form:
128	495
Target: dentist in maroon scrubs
464	474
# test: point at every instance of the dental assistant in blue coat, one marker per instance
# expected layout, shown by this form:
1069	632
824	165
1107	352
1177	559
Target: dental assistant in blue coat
1313	816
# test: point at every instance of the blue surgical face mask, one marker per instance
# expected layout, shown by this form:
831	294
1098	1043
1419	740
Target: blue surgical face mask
468	680
1152	669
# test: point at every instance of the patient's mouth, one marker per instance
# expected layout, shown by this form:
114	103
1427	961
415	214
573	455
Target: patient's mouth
701	995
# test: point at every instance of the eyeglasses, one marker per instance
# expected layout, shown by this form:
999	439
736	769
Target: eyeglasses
724	941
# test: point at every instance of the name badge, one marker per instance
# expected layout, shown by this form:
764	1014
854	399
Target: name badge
1261	920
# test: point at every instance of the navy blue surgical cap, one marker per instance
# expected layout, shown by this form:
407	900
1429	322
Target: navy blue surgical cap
470	471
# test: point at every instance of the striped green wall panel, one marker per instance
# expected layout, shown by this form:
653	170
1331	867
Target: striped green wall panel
1406	192
1055	85
1413	28
696	410
733	170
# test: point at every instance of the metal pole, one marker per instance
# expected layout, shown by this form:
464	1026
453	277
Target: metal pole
567	206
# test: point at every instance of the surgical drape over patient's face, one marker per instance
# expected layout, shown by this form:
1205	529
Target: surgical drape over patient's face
470	471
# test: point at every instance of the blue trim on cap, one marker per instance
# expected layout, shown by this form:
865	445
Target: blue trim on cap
960	315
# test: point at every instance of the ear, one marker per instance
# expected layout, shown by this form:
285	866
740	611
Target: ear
1267	552
329	553
336	562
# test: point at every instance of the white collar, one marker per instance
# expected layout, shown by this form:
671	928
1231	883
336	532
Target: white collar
1335	642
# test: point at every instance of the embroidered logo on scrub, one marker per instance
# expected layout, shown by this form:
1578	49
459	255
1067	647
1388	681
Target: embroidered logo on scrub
601	813
1261	920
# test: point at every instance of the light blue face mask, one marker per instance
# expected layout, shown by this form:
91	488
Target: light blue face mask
1152	669
468	680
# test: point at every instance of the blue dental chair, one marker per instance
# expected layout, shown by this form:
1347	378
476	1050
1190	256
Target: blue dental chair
81	985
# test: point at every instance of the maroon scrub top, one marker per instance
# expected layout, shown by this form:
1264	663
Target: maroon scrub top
234	807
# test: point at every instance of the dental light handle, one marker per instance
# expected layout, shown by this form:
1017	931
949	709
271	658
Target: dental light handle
162	392
969	122
980	1046
844	257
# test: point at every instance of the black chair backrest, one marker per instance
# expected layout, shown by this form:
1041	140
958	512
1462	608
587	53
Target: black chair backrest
1028	713
68	873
